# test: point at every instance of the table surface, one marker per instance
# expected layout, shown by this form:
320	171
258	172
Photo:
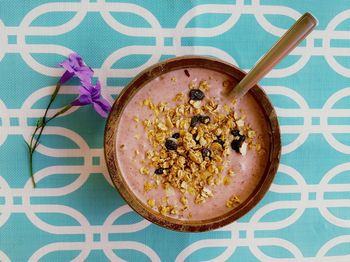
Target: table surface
75	213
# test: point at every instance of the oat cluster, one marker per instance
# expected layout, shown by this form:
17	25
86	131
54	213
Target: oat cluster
191	143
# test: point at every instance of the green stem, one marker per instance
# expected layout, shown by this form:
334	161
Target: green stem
40	125
53	96
63	110
31	166
32	138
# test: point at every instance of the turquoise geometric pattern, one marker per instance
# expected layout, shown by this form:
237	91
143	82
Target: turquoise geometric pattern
75	214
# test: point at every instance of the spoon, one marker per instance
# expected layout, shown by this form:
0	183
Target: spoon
301	28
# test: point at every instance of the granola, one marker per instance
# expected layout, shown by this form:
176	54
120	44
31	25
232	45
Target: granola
191	143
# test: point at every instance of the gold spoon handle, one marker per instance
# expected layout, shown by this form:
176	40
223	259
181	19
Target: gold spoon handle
301	28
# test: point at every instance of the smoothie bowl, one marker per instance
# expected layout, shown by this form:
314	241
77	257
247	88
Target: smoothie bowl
186	155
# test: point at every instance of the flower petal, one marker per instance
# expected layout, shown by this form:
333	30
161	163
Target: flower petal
65	77
98	85
75	65
84	91
84	73
100	110
96	91
66	65
104	104
76	59
82	100
95	95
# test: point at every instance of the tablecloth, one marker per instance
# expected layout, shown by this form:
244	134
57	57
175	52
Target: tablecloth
76	214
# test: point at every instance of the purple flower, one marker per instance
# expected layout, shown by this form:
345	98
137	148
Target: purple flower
90	94
75	66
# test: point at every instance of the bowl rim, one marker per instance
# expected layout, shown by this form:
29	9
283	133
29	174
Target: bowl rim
141	208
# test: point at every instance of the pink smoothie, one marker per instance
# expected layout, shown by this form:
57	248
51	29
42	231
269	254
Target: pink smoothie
132	143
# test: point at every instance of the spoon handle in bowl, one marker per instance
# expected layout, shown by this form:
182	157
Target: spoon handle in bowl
301	28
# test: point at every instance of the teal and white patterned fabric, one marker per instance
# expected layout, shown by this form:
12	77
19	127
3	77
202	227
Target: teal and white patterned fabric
75	214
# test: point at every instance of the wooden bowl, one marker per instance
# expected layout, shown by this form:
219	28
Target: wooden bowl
117	177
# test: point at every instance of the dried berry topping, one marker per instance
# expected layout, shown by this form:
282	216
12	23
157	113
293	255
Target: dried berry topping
159	171
235	132
206	152
194	136
187	73
195	121
171	144
219	141
204	119
236	144
176	135
237	136
196	94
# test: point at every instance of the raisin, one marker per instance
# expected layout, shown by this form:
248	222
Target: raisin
242	138
196	94
220	141
206	152
159	171
236	144
204	119
171	144
194	136
176	135
187	73
235	132
195	121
